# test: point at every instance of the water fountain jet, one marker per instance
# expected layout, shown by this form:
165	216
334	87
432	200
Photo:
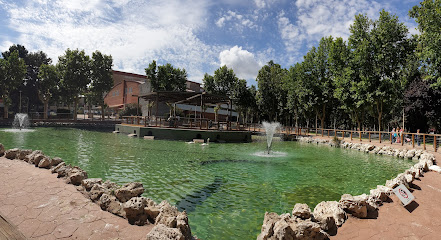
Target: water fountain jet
270	129
21	121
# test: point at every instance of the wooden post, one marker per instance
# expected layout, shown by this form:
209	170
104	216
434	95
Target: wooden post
402	138
359	135
145	121
379	135
413	140
390	138
434	143
424	141
343	134
351	135
370	137
322	132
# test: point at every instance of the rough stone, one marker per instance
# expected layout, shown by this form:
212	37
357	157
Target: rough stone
152	210
400	179
267	229
355	205
301	210
182	225
381	193
12	153
55	161
134	209
64	170
129	190
167	214
90	182
76	175
44	163
30	157
37	158
305	230
97	190
111	204
23	153
2	150
331	208
410	154
435	168
162	232
56	168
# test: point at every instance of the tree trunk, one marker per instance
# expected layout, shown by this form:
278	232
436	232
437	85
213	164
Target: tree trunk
102	110
5	112
380	112
322	118
75	109
46	106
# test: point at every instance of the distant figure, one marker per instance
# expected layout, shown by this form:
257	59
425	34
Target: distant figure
206	144
397	134
418	137
394	134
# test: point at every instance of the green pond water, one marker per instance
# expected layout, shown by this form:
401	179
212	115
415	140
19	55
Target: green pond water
225	188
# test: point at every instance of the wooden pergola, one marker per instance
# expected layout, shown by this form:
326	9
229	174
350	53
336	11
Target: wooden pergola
190	98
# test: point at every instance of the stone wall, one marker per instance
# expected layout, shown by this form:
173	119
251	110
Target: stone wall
327	216
124	201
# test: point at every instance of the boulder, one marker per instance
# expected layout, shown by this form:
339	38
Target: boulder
182	225
410	154
135	213
282	228
30	157
56	168
167	214
90	182
37	158
152	210
110	185
403	153
267	229
129	190
111	204
23	153
400	179
305	230
330	208
12	153
76	175
2	150
64	170
55	161
301	210
44	163
97	191
370	148
355	205
435	168
162	232
381	193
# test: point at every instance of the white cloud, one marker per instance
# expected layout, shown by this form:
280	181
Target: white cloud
237	21
314	19
241	61
142	32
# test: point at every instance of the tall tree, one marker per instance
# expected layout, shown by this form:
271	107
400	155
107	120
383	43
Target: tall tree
380	49
101	77
223	82
12	74
428	16
74	68
166	77
270	95
48	82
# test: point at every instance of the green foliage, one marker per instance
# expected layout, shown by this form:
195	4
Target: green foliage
166	77
12	74
48	82
428	16
271	97
101	78
223	82
130	110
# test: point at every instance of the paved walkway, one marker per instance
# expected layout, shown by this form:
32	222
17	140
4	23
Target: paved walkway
421	220
43	206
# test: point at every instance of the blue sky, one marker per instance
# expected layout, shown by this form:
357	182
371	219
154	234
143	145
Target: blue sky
197	35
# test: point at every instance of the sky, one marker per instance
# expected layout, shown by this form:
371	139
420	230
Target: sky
197	35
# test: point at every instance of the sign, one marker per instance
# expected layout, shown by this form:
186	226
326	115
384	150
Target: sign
403	194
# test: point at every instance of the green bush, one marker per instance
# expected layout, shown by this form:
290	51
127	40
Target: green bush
130	110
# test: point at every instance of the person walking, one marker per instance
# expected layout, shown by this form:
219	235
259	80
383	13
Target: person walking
418	137
397	135
394	135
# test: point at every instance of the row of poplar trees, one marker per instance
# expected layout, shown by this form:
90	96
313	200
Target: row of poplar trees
377	77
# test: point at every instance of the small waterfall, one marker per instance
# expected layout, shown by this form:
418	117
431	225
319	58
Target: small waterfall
21	121
270	129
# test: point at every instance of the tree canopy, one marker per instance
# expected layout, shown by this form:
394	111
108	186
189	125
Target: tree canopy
166	77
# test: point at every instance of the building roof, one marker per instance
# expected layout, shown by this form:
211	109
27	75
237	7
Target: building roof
192	98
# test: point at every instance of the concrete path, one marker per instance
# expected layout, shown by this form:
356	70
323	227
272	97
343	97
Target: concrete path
45	207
